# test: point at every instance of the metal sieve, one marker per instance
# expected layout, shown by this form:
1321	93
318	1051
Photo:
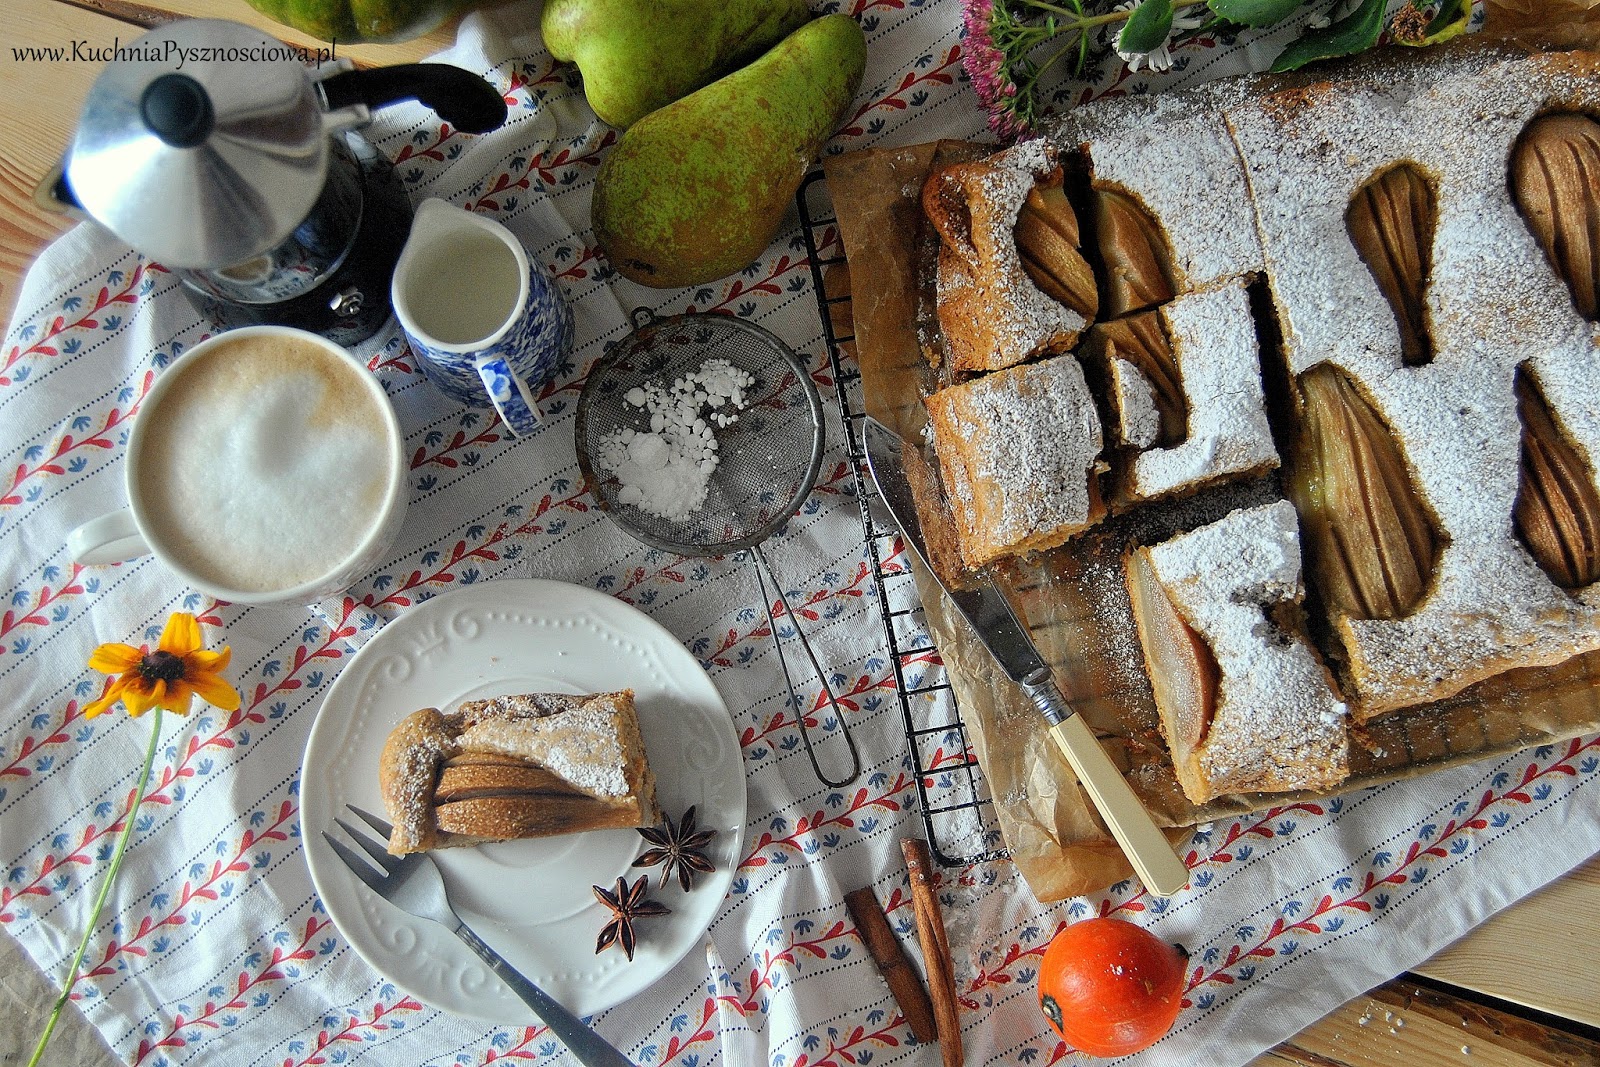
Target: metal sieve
768	459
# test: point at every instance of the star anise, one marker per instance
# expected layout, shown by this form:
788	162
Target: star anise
679	849
627	904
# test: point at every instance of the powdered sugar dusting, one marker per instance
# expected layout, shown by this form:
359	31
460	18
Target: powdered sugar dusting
412	774
588	741
1174	154
1214	343
1277	724
992	314
579	742
1016	449
666	470
1494	303
1138	421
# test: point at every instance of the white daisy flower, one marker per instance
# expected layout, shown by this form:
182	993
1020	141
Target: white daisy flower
1160	57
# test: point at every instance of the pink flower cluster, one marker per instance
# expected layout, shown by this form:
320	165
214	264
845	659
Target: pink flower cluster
988	67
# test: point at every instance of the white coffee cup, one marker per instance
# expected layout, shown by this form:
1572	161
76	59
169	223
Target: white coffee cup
265	466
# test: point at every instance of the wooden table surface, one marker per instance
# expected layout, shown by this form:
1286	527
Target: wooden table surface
1522	989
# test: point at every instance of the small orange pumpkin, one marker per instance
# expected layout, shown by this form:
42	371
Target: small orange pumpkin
1109	987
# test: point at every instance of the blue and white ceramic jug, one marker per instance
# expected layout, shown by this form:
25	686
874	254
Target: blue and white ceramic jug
487	324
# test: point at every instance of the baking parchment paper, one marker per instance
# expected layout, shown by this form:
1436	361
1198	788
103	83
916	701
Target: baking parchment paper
1552	24
1077	608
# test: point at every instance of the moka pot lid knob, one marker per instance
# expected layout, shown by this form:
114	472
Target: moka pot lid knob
203	145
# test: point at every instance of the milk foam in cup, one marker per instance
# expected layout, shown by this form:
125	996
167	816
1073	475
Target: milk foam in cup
265	465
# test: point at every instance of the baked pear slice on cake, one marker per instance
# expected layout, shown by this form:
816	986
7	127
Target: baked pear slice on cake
531	765
1246	704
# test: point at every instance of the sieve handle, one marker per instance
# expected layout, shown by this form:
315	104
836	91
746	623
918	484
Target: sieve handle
763	573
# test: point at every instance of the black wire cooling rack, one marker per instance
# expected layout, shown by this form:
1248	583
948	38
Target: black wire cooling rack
952	794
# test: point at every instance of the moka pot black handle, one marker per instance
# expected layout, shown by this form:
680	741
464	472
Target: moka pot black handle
459	97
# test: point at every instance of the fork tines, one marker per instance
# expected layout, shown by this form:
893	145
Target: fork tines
376	851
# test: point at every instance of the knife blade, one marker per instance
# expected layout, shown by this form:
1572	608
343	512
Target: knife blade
1006	638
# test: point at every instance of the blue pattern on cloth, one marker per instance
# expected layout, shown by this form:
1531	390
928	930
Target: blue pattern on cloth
215	950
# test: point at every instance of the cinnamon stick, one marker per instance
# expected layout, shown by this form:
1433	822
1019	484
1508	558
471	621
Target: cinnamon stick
935	949
892	964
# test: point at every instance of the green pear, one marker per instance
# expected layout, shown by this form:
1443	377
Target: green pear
640	55
697	190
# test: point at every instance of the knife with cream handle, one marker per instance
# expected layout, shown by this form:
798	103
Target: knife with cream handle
1003	634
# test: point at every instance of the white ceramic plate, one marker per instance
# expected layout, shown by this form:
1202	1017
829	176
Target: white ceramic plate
531	900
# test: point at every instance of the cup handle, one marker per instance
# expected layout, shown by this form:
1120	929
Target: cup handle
111	538
518	408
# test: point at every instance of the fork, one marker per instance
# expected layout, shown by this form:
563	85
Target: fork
413	884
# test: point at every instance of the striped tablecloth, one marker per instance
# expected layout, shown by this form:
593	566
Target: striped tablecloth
216	950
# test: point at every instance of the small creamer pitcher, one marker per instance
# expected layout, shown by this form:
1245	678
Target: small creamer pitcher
487	324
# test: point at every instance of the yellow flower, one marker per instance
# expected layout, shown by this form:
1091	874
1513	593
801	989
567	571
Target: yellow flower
169	677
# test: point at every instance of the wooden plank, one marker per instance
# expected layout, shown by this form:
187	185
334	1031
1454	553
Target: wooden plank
1401	1023
239	11
1542	952
138	16
43	102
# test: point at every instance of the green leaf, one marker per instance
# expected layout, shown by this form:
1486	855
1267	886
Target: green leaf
1147	29
1256	13
1355	33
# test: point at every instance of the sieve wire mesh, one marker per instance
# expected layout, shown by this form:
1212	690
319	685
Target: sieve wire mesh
769	458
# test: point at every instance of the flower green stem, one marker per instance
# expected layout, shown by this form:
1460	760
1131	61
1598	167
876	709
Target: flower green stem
1033	78
1042	6
105	887
1085	22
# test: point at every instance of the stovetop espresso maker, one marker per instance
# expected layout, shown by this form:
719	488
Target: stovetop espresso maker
211	148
